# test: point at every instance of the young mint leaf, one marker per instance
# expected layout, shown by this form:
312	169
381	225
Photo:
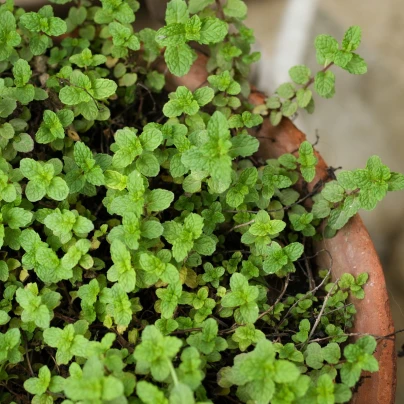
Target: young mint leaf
52	126
261	373
22	73
300	74
9	37
177	12
67	341
42	181
33	308
39	385
114	9
244	296
44	21
64	223
169	298
356	65
359	357
182	237
326	47
246	336
213	156
9	346
263	225
235	9
86	59
207	340
149	393
122	270
179	58
123	39
155	353
307	161
352	38
324	83
127	147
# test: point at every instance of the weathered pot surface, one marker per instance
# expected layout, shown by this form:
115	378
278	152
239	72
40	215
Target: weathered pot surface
352	251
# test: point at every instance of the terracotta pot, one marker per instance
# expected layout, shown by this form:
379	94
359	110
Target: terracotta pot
352	251
31	4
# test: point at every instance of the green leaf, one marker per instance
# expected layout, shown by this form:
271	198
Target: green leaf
326	47
342	58
155	352
179	58
213	156
235	9
149	393
324	83
307	161
356	65
286	90
197	5
86	58
128	147
332	353
303	96
352	38
122	270
159	199
333	192
177	12
22	73
203	95
181	394
7	107
396	182
213	30
288	108
275	117
39	385
300	74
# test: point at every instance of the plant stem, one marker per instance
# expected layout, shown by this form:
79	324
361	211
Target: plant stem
322	310
172	372
220	10
310	291
277	300
242	225
311	81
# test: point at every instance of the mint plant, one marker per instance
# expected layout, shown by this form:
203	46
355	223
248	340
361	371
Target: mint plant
147	256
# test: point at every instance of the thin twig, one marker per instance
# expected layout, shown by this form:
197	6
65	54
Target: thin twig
27	356
313	291
220	10
339	308
312	283
277	300
241	225
355	334
317	322
185	331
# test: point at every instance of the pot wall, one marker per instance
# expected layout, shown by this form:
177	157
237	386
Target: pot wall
31	4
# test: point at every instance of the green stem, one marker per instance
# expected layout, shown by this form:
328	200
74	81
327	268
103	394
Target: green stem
172	371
